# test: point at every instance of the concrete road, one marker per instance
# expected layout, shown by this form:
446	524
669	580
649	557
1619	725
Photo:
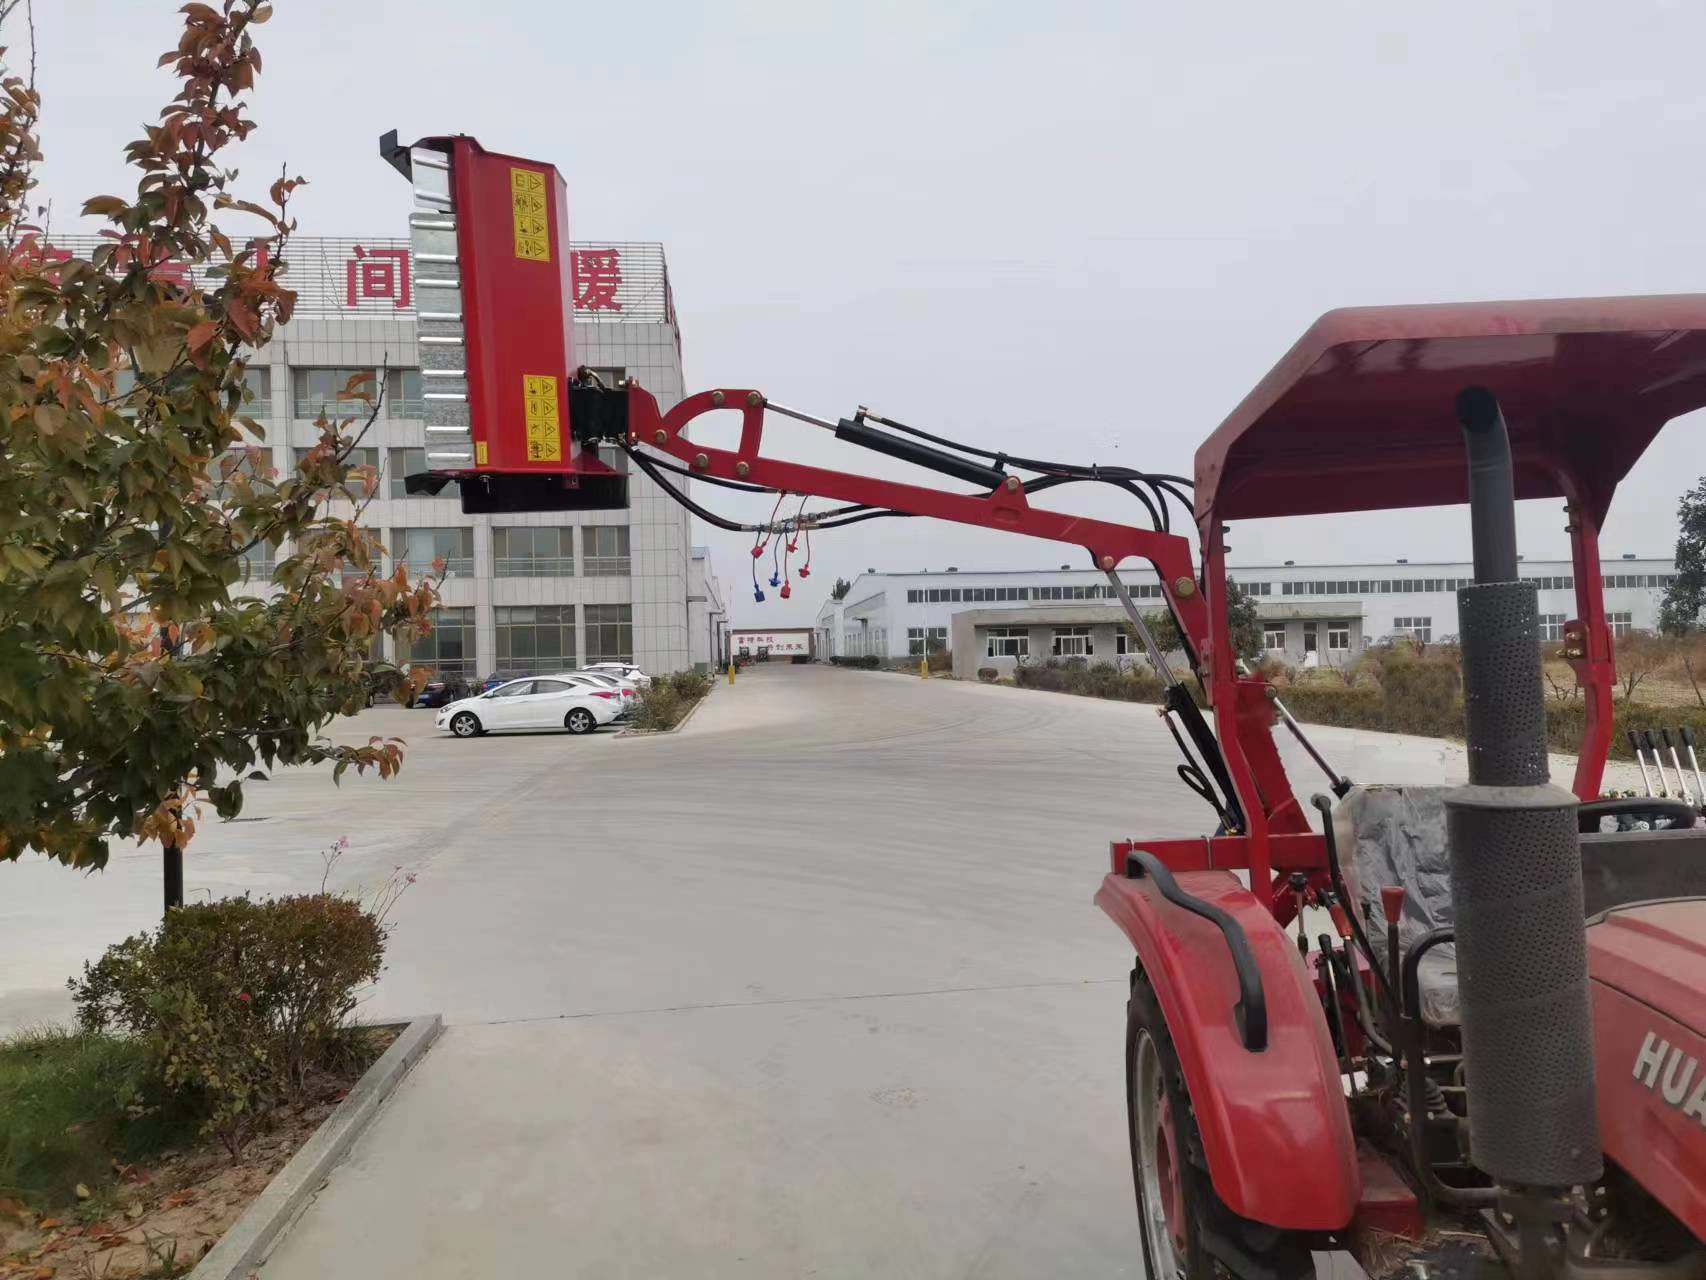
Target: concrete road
813	987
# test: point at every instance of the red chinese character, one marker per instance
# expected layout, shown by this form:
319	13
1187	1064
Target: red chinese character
597	275
377	273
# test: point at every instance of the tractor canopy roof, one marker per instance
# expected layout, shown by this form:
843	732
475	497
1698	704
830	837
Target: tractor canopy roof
1358	415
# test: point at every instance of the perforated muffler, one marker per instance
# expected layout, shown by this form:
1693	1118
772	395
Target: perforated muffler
1516	878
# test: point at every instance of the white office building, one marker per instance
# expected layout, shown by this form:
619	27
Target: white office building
524	592
1309	613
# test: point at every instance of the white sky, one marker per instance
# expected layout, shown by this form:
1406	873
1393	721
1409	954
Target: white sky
1077	230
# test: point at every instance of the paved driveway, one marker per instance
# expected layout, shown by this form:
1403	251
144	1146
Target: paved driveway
813	987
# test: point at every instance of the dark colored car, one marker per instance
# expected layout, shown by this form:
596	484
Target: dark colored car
488	683
440	690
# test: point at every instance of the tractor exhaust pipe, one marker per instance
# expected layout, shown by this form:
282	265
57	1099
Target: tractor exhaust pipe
1516	883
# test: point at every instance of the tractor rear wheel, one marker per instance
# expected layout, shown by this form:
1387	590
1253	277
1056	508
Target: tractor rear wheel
1188	1232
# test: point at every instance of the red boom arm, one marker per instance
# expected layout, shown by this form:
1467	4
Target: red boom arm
1243	719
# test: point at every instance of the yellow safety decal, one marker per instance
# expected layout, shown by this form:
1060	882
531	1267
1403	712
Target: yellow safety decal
479	453
527	200
544	432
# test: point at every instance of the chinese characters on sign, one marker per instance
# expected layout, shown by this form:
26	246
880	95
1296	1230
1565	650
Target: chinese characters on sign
331	275
377	273
597	275
544	438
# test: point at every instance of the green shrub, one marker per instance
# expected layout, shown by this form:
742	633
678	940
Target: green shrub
72	1103
1132	684
669	699
864	662
691	685
988	674
238	1002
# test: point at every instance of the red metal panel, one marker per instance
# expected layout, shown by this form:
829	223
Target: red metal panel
1648	966
1265	1116
1357	416
1288	851
512	238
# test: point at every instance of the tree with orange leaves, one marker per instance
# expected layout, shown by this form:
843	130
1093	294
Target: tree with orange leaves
139	680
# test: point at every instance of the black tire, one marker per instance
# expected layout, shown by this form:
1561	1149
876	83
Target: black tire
465	724
580	720
1196	1237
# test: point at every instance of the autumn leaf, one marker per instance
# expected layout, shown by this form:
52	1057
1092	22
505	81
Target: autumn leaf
200	335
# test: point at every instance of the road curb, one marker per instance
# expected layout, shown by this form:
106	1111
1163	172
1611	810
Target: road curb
246	1245
677	726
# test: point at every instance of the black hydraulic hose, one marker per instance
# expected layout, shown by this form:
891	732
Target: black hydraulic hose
1192	775
868	437
1180	702
1336	871
1029	464
1335	1014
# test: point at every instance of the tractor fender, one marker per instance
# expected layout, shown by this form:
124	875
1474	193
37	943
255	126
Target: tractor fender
1276	1132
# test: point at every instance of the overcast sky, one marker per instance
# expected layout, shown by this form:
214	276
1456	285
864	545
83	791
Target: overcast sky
1080	230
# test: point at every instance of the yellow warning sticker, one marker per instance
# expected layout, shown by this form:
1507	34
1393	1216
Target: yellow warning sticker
544	432
527	201
479	453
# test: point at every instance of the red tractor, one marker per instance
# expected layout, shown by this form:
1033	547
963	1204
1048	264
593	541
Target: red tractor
1489	1053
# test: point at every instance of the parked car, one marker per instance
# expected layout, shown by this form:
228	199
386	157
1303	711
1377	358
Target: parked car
609	680
440	691
535	702
488	683
627	670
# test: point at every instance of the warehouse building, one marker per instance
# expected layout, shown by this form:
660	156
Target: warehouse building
524	592
1311	614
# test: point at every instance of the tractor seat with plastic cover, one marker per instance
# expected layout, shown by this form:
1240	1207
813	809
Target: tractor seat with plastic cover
1394	835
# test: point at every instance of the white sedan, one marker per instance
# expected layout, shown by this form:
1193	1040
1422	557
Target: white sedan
537	702
622	671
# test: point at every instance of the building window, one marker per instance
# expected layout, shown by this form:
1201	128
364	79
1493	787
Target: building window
258	564
315	392
403	463
1338	637
535	638
257	399
610	632
447	648
1417	628
1273	639
1621	623
605	548
403	393
915	597
1551	626
1122	643
357	458
1073	642
533	553
1009	642
417	549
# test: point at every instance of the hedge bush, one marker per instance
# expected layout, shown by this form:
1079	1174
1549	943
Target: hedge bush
238	1002
1394	689
865	662
668	699
1103	680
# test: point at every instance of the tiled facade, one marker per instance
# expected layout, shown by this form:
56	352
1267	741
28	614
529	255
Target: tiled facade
587	585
